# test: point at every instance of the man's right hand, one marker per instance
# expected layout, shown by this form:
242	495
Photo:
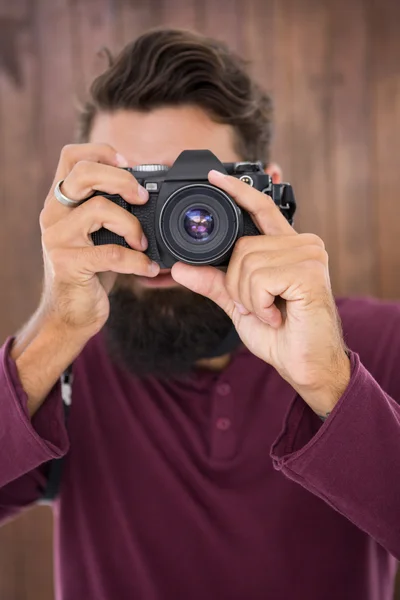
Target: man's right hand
79	275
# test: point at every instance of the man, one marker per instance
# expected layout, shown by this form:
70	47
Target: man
196	468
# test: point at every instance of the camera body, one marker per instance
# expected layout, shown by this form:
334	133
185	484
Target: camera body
189	220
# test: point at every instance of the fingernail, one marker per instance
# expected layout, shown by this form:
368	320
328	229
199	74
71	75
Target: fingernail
121	160
217	174
144	242
143	193
242	309
154	267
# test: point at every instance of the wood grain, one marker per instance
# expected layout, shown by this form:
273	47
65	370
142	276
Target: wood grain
385	174
355	245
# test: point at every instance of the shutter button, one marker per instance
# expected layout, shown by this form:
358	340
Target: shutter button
223	423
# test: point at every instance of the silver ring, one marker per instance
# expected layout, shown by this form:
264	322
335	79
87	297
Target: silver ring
63	199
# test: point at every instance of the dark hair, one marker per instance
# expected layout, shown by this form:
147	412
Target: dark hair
176	67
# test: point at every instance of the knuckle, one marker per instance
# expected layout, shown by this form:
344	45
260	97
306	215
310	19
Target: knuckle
111	252
44	220
68	152
258	277
47	239
249	261
102	147
127	176
318	254
314	272
97	204
243	245
135	224
142	262
324	257
312	239
257	282
81	168
230	283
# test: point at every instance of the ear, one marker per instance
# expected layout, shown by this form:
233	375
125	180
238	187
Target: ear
274	170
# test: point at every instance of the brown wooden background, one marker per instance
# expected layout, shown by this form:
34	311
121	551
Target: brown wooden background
333	67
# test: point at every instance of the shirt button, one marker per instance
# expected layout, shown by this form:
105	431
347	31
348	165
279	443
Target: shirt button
224	389
223	423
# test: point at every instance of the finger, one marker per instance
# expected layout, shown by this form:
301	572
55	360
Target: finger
101	153
298	284
76	228
263	302
251	254
207	281
261	207
250	297
70	155
276	245
83	263
88	177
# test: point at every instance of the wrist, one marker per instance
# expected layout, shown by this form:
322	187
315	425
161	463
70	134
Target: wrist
40	363
323	397
49	327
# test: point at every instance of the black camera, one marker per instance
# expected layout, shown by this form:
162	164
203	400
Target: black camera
186	218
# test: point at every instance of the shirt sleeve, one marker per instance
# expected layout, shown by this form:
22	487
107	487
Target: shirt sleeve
26	445
352	460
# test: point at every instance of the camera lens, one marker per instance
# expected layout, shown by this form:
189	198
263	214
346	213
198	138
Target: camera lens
198	223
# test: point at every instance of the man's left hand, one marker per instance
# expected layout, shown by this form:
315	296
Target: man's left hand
278	294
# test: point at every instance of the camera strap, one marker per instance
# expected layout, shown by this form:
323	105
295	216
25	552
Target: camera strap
55	466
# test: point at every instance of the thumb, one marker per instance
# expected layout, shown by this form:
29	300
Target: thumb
206	281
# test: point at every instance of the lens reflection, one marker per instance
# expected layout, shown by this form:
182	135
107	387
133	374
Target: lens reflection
198	223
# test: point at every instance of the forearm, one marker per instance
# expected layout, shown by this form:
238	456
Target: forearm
350	461
42	351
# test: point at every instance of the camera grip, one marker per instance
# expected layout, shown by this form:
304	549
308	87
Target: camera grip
249	227
145	213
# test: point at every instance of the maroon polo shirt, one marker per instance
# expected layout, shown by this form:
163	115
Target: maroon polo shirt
222	486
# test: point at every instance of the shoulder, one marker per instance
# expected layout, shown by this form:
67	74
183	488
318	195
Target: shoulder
371	328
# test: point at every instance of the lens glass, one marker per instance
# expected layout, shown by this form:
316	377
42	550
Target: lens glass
198	223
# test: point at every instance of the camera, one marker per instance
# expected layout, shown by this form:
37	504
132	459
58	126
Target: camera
189	220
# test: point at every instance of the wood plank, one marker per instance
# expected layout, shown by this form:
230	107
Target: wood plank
351	199
259	40
223	20
282	85
36	548
23	573
36	121
11	562
93	28
134	18
311	113
21	163
16	10
180	14
58	81
385	175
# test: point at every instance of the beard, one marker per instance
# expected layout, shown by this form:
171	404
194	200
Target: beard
162	332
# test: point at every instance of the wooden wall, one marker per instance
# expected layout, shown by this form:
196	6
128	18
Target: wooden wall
333	68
